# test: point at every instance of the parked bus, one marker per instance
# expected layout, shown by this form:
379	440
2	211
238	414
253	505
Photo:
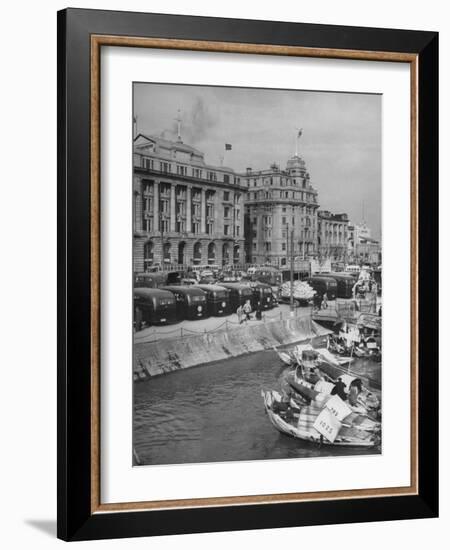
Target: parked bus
153	306
322	284
157	279
190	301
263	294
218	299
345	283
268	275
239	294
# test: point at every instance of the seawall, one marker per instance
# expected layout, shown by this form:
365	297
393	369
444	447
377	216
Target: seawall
171	354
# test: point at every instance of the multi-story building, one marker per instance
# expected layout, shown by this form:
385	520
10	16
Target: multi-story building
332	236
362	248
277	203
185	212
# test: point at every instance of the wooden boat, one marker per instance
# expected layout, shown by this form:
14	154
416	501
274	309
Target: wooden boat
296	356
311	382
354	430
286	356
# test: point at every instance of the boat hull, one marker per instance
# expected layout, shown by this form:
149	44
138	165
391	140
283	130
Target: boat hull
311	436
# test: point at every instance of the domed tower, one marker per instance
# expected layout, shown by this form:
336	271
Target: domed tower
281	203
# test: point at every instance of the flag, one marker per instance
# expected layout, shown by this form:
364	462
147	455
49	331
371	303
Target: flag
300	132
227	146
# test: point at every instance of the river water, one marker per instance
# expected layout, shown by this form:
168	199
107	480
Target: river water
215	413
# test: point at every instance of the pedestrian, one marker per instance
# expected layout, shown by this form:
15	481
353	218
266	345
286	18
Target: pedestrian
240	313
258	314
316	302
247	310
324	300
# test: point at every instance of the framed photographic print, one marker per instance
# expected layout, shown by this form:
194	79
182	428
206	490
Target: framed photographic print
247	274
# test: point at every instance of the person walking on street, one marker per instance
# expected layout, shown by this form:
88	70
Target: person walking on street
240	313
258	314
324	300
247	310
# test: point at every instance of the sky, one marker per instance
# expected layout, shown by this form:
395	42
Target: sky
340	142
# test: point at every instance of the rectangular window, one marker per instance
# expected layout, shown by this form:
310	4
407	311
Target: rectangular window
181	208
283	220
237	231
181	226
226	229
226	195
147	163
148	224
165	207
283	246
226	178
226	212
148	204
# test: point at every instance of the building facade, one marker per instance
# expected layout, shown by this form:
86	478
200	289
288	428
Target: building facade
332	236
362	247
185	211
277	203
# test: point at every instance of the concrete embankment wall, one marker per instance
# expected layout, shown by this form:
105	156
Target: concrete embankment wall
171	354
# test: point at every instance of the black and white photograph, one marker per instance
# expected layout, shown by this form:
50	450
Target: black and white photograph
257	265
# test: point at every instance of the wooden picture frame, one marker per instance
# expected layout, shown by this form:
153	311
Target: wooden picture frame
81	35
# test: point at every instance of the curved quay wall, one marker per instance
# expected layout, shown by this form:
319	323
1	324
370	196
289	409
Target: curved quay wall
172	354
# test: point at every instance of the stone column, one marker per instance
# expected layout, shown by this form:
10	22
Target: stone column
155	206
137	211
188	209
173	215
203	212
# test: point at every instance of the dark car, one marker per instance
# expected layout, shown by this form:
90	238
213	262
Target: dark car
345	284
191	301
322	284
157	279
239	294
218	298
262	294
153	307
